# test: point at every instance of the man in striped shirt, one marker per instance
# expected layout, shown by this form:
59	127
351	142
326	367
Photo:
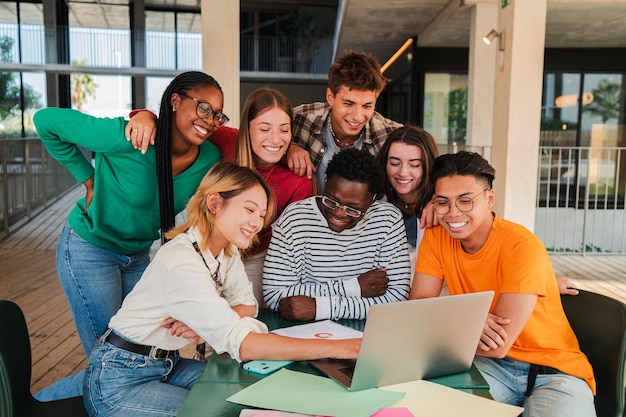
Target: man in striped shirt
333	256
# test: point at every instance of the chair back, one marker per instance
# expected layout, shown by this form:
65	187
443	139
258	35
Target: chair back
6	402
15	356
599	323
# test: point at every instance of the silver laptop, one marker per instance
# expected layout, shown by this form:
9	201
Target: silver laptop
414	339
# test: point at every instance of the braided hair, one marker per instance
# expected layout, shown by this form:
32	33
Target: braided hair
180	84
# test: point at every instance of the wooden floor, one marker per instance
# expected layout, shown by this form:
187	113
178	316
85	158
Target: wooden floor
28	277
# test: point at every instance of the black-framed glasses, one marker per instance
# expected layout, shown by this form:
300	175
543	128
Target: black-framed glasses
332	204
464	204
204	111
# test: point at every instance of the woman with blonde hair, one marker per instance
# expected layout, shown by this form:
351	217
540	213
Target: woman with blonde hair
196	278
264	137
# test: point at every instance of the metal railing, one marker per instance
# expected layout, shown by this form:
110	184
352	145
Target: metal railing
580	199
30	180
111	48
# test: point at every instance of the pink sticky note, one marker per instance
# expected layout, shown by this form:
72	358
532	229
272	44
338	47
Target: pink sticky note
394	412
391	412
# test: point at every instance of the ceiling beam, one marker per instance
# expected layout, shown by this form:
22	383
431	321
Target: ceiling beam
442	17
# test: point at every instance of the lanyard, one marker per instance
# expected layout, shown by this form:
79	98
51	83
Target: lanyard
214	275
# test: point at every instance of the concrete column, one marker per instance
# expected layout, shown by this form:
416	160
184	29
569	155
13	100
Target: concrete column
481	76
138	54
220	51
517	104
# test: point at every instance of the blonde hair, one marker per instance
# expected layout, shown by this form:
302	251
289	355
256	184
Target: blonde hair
228	180
258	102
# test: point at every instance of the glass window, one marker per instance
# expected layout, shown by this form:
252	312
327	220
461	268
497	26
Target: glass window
600	109
9	38
15	116
109	15
174	40
155	87
34	84
559	109
101	95
445	109
189	50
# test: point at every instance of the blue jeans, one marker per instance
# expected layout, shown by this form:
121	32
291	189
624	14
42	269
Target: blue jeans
125	384
557	395
95	281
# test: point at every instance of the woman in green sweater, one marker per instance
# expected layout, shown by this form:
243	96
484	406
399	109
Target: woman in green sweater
104	247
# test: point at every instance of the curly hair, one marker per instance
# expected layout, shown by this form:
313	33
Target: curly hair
463	163
180	84
412	136
357	71
358	166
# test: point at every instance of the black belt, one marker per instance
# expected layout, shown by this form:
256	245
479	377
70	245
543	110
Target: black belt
152	351
538	370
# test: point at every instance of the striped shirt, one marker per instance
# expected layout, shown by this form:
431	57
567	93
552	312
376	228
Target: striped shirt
306	257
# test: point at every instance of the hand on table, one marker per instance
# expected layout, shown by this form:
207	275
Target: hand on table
298	307
374	283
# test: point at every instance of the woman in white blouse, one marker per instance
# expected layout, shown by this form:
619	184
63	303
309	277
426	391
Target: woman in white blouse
196	278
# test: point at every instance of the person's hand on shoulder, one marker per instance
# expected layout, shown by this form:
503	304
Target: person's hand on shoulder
428	218
299	161
374	283
141	129
298	307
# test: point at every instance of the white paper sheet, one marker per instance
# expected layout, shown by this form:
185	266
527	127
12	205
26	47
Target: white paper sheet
325	329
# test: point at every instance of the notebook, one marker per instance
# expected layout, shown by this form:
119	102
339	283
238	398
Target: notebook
414	339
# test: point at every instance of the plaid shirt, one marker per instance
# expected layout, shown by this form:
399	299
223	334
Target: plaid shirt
308	130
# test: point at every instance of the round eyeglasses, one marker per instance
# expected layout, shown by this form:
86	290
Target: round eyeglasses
332	204
464	204
204	111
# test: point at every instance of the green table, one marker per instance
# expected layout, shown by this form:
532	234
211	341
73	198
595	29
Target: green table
223	377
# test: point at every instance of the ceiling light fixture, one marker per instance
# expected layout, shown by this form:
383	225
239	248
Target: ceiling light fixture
395	56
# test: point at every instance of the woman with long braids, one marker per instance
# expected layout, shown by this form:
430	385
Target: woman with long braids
104	246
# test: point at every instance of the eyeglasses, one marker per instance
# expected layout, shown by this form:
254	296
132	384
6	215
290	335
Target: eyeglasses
464	204
204	111
332	204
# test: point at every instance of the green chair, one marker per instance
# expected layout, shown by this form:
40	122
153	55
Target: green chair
599	323
15	372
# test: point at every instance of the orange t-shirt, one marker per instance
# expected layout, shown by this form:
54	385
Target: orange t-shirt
512	260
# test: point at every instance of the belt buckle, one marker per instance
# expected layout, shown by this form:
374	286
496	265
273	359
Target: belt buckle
154	353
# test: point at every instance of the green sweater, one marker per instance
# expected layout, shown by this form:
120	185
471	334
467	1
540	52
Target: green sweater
124	213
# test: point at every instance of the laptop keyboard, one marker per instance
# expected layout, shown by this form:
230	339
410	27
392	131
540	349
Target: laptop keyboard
348	370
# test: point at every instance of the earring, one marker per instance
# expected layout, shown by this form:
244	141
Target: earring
174	109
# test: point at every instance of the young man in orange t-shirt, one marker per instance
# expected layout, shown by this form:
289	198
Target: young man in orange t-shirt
527	352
